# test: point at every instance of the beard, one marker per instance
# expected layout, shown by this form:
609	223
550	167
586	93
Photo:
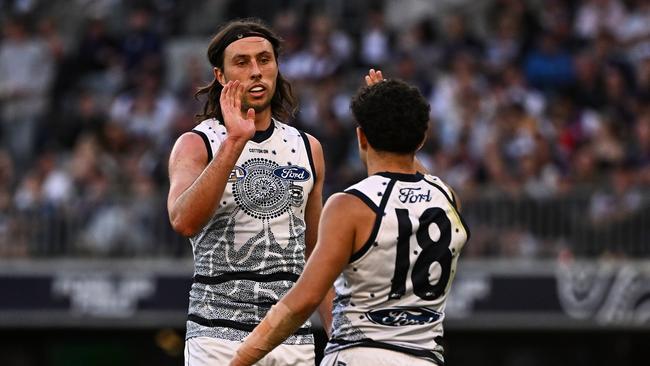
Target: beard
257	105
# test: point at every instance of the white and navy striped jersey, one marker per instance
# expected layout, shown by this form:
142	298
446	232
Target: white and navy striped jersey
392	293
252	250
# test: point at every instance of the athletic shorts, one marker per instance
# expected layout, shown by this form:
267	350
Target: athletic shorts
356	356
208	351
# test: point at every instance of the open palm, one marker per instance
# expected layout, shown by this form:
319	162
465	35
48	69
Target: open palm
374	77
230	101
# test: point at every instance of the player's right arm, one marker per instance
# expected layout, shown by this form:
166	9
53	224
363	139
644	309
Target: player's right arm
196	188
338	237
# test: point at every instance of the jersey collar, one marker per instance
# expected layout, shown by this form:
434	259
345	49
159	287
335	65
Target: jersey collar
402	176
261	136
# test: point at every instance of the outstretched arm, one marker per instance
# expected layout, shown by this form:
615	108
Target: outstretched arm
195	189
336	237
312	218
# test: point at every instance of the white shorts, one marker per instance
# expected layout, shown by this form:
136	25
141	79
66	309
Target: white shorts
208	351
372	356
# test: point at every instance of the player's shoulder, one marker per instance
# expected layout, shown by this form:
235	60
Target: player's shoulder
285	128
445	188
189	146
341	202
212	127
370	190
200	141
309	140
289	130
370	182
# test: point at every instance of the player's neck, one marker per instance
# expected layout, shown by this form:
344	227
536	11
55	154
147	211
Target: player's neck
385	162
262	119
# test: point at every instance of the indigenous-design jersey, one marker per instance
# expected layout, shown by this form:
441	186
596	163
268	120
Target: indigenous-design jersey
252	250
392	294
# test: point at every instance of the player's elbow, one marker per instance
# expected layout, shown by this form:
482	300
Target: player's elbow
182	226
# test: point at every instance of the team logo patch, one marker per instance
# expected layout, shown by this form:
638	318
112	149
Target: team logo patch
296	195
401	316
292	173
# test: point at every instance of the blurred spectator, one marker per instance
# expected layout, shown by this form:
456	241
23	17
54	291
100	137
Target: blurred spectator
7	175
449	98
458	39
97	59
588	90
619	200
49	32
607	140
634	30
543	113
142	44
419	44
506	45
517	90
596	15
521	13
406	68
583	172
376	41
513	149
148	112
323	55
639	149
85	117
26	68
618	94
549	66
643	80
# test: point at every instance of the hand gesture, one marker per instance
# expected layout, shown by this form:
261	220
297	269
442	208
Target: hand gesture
237	126
374	77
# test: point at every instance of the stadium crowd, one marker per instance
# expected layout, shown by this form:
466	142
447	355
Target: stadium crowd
541	102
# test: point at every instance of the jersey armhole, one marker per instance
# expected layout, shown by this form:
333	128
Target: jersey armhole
364	198
206	142
379	214
452	200
305	139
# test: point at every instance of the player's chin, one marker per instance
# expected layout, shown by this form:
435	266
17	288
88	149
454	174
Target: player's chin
257	105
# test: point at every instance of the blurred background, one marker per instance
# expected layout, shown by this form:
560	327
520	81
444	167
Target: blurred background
540	120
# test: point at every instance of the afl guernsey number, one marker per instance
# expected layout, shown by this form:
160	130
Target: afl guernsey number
392	294
252	250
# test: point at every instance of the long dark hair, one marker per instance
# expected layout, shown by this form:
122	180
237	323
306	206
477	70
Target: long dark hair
283	103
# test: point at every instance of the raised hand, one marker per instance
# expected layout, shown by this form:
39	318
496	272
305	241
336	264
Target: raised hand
374	77
237	126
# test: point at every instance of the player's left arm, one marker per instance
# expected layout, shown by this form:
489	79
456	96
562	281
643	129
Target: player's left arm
312	219
336	238
456	199
315	198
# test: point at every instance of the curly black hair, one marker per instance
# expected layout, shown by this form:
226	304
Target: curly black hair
393	115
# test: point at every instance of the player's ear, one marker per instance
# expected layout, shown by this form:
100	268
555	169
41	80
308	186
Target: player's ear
218	74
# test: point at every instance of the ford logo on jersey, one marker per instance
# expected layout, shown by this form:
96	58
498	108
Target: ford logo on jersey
401	316
294	173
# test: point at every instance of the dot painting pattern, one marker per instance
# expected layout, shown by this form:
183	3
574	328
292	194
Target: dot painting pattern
262	194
